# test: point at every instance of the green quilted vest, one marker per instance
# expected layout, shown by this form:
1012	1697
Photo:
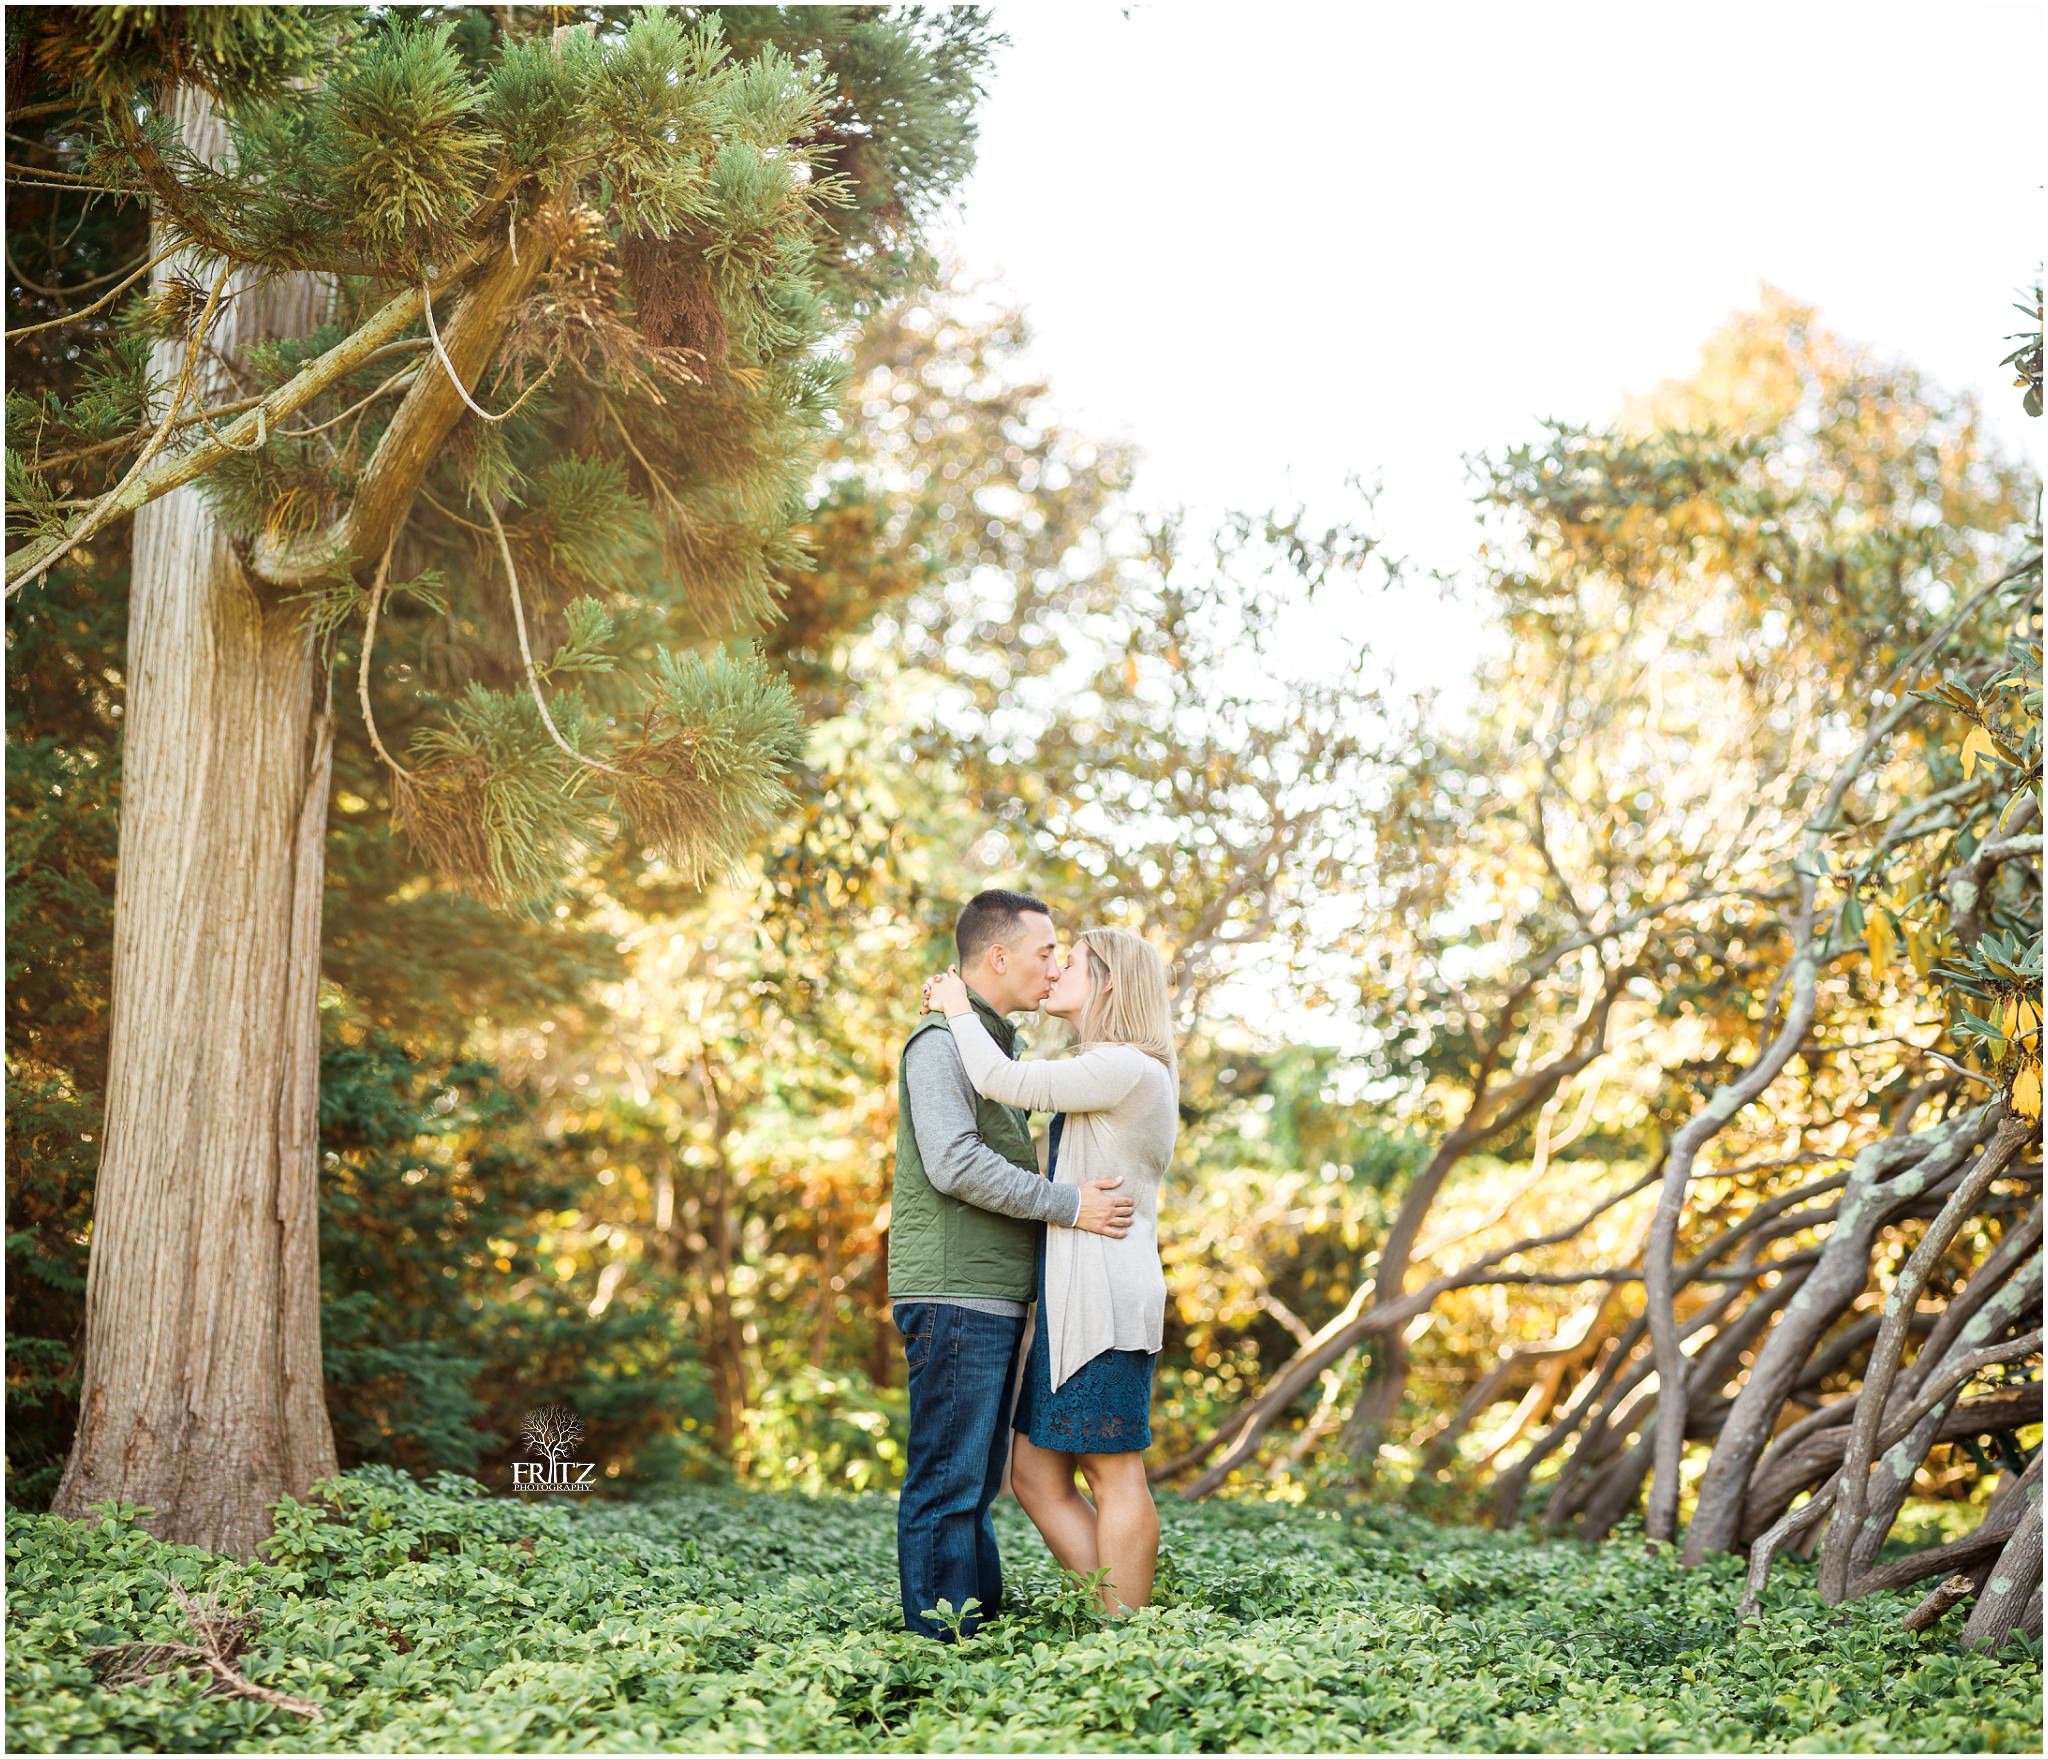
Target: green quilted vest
939	1245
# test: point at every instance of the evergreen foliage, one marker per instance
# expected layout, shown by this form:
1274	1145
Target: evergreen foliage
405	962
656	494
443	1314
104	53
658	389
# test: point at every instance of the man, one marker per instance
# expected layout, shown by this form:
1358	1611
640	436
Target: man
965	1208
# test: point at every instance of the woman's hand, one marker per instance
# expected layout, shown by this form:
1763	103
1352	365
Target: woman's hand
948	993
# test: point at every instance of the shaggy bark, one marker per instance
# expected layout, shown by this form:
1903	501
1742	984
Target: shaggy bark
201	1392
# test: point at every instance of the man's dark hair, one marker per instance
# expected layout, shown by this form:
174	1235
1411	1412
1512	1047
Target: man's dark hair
988	917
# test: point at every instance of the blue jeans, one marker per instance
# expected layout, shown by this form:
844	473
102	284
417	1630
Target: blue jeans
962	1365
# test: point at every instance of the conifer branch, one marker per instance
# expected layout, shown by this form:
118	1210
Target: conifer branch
207	417
412	441
449	513
90	522
63	188
655	479
182	205
261	440
49	107
50	461
70	180
526	650
179	203
141	486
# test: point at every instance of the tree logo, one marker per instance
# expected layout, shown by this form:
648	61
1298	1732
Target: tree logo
551	1432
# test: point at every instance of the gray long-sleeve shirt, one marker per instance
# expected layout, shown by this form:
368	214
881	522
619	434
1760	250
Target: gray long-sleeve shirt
959	1163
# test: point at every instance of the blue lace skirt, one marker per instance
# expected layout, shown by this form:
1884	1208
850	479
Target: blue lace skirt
1105	1405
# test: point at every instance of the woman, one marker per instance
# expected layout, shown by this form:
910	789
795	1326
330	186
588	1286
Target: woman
1086	1398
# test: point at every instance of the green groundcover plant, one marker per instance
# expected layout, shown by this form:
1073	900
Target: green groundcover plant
442	1617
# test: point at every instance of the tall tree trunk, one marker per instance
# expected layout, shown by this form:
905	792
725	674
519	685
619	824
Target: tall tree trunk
202	1392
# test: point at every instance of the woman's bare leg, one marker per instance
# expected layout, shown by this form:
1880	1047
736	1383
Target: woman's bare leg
1126	1528
1044	1483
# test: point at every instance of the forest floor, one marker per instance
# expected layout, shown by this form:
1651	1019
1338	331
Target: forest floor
444	1618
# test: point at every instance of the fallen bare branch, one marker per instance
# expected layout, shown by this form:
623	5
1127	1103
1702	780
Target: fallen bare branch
222	1633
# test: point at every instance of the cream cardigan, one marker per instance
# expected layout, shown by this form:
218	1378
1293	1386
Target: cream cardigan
1122	1118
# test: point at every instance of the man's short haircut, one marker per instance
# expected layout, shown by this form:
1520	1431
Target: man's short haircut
988	918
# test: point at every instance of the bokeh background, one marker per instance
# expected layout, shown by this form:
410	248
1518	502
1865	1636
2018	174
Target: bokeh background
1415	517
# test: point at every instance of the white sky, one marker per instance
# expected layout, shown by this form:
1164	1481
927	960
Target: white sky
1270	245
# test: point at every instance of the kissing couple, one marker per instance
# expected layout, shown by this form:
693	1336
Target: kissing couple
984	1225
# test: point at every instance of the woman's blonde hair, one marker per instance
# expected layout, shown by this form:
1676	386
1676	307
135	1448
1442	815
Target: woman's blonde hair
1135	1005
